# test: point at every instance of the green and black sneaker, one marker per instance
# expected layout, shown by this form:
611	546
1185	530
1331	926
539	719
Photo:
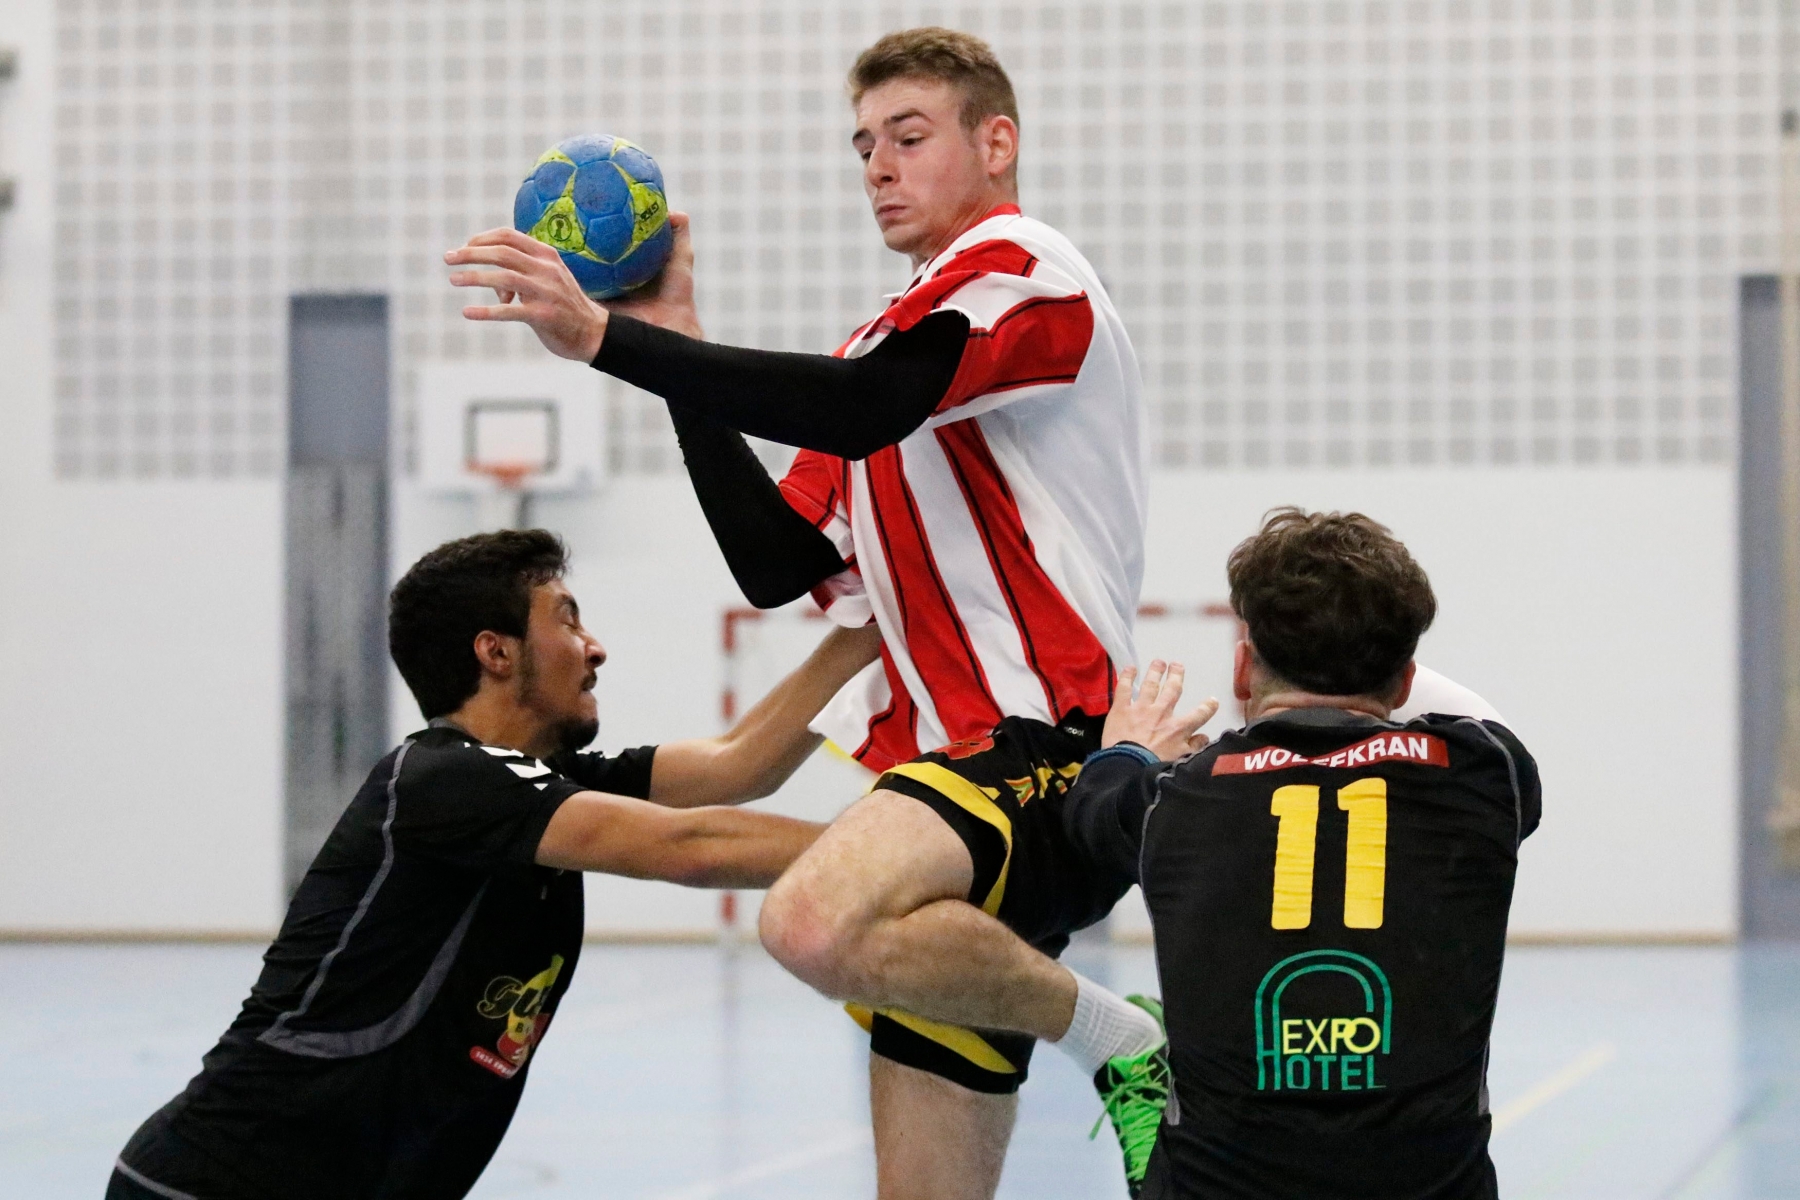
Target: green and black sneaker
1135	1090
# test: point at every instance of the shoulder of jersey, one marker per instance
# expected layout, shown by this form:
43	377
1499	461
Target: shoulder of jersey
1470	731
464	754
1014	244
1000	255
1201	760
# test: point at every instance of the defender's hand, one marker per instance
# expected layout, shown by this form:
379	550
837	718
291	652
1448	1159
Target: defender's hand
1149	718
547	297
668	299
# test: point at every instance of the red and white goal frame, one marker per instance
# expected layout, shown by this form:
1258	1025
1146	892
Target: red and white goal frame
758	647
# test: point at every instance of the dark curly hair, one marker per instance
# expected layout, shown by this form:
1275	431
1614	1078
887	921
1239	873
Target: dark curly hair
452	595
1333	601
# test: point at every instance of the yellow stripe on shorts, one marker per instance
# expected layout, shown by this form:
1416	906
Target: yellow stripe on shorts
978	802
955	1038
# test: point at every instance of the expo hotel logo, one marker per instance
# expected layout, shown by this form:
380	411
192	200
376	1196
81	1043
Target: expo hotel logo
1330	1053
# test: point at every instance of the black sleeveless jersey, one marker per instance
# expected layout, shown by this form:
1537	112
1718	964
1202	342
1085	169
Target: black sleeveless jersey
1329	894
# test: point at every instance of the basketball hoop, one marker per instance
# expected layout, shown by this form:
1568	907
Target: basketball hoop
509	475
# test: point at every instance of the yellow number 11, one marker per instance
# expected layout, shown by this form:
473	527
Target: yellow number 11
1365	853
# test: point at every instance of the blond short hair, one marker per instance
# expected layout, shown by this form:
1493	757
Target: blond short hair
930	52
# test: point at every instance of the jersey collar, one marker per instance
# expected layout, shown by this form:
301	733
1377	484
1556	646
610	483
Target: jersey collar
1319	718
446	724
962	242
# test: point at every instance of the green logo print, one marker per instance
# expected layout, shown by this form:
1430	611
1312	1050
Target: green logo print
1336	1053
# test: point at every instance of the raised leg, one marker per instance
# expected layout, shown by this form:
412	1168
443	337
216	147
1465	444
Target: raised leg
876	912
935	1140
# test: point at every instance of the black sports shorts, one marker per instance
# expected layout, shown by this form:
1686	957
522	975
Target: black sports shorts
1003	794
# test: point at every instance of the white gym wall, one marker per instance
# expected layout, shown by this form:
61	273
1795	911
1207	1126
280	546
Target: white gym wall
1470	267
140	700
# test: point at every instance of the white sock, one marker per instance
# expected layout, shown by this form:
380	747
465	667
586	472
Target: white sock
1105	1026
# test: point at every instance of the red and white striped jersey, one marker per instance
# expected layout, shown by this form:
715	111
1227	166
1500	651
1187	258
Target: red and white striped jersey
1000	546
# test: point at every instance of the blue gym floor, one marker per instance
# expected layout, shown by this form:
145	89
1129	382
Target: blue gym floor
689	1073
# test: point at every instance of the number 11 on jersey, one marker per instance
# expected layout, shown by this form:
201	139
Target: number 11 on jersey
1365	853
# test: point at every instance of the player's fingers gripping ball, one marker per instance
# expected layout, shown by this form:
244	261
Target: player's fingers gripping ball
600	201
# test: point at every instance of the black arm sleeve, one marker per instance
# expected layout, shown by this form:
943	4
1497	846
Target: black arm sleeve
1104	812
849	407
774	553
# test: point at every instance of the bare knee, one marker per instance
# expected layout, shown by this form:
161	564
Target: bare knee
810	932
886	857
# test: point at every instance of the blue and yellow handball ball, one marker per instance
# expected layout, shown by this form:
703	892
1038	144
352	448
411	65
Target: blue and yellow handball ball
600	201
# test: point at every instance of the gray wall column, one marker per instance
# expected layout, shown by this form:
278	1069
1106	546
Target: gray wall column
1771	896
337	664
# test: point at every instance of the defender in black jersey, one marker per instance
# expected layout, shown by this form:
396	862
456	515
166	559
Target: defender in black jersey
1329	889
385	1046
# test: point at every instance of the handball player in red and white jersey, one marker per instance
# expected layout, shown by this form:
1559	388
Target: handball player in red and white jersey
970	478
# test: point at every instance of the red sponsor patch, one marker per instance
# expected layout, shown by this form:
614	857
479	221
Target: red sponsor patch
1421	748
493	1062
968	747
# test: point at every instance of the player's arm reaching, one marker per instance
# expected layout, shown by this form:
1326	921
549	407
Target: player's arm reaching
775	554
757	754
771	740
695	847
848	407
1105	810
679	834
845	407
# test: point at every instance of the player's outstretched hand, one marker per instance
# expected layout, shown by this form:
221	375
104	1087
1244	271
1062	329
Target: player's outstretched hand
668	299
532	285
1148	717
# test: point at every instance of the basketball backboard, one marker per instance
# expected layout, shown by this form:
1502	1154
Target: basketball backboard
484	427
